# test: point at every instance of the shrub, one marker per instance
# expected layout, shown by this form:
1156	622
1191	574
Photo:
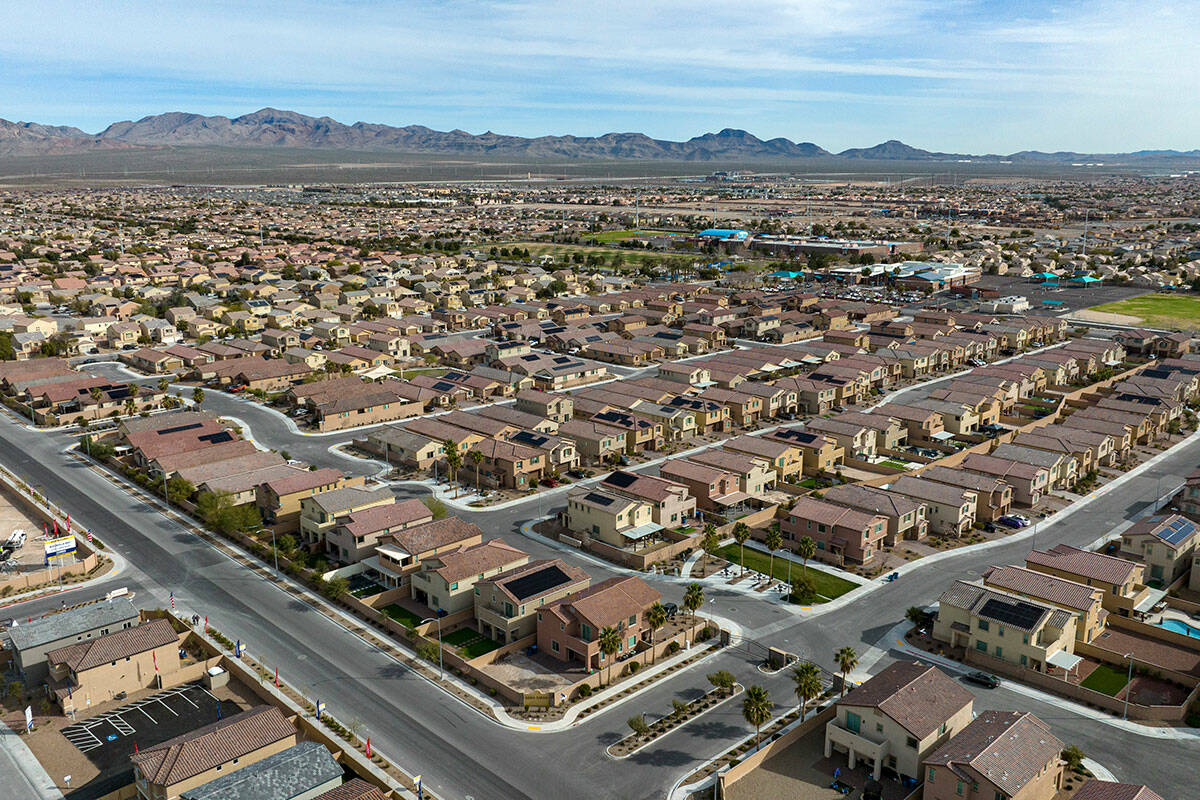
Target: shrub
1074	758
672	648
584	691
637	724
634	666
429	651
803	590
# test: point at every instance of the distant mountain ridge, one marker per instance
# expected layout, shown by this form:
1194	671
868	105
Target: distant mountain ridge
273	128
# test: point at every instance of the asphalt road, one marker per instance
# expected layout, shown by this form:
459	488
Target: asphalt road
462	754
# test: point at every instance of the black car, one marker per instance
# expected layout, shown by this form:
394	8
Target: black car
983	679
990	527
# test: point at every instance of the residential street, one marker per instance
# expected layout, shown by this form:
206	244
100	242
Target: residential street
462	754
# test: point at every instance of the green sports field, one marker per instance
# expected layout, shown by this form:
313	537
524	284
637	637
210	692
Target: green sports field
1175	311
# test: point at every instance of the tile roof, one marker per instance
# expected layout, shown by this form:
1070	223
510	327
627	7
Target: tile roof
476	559
115	646
384	517
1108	569
282	776
74	622
611	601
433	535
919	697
562	574
305	480
353	789
191	754
1110	790
1058	591
1006	748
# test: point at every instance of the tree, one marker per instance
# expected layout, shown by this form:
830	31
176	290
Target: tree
741	532
163	383
773	541
179	489
96	393
637	723
476	459
846	660
1074	758
219	513
693	598
710	542
450	448
806	548
722	679
656	617
807	678
757	708
335	588
610	642
198	397
915	615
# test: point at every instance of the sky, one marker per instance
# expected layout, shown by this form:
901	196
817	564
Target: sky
977	76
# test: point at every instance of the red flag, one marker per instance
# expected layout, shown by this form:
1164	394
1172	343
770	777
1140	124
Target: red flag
68	523
89	535
135	748
277	677
368	747
154	655
206	623
56	527
45	531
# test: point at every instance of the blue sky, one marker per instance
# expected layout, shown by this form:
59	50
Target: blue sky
970	76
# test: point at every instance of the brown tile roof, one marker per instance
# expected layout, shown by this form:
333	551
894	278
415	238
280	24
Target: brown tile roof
931	491
1108	569
1059	591
919	697
115	646
384	517
191	754
1110	790
432	535
1006	748
809	508
476	559
304	480
611	601
353	789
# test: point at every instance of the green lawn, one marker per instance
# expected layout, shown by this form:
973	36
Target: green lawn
616	236
893	463
1106	680
402	615
436	372
828	585
470	643
1178	311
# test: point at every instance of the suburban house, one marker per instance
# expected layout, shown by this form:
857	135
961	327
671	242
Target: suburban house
399	554
167	770
993	497
715	489
1110	790
278	501
786	459
1120	579
905	516
670	503
356	532
841	534
568	629
949	510
304	770
319	513
506	603
1028	481
608	517
899	717
594	440
447	580
1010	628
33	641
1164	543
94	671
818	452
1085	602
754	474
1000	755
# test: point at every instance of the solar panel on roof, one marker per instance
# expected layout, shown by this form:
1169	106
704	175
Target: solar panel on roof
598	499
1014	612
218	437
1177	531
534	584
179	428
621	479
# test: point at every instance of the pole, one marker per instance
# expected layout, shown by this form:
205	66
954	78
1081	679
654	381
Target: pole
1125	713
274	549
442	665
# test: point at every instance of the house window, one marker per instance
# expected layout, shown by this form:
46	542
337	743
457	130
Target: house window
453	586
539	616
942	729
958	787
911	742
999	651
983	624
554	645
633	620
981	646
632	642
929	777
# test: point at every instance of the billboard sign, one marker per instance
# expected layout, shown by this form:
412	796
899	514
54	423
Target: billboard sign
59	546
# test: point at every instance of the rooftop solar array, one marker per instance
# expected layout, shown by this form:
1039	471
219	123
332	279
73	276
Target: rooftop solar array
535	583
1012	612
620	479
1177	531
598	499
178	428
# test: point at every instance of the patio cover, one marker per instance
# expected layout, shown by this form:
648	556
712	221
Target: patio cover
1153	597
1064	660
642	531
731	499
943	436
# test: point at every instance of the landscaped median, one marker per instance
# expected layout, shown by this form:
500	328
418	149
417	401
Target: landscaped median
681	713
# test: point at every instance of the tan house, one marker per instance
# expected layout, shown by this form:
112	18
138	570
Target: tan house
94	671
569	629
899	717
1120	579
841	533
905	516
1085	602
950	510
506	464
399	553
446	581
278	501
1018	630
164	771
1000	755
786	459
1164	543
506	604
319	513
356	534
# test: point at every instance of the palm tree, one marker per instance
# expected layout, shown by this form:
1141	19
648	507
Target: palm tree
757	708
198	397
610	642
656	617
476	459
806	548
163	383
709	543
807	678
846	660
96	392
693	598
450	447
773	541
741	532
915	615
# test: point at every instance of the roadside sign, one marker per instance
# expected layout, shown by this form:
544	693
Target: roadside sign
28	718
60	546
320	709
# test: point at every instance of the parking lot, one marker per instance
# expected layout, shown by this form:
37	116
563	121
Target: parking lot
107	740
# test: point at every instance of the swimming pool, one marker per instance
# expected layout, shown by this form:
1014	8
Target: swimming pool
1180	627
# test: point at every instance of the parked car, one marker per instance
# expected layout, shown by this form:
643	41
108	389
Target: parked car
982	679
1024	520
549	482
990	527
1011	522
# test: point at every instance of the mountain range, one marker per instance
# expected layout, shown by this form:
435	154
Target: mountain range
273	128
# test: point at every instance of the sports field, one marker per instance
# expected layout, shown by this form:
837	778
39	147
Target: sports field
1175	311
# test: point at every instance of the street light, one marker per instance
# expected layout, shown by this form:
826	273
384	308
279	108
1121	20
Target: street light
441	665
1128	680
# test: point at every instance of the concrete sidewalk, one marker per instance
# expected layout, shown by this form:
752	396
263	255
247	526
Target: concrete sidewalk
21	775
